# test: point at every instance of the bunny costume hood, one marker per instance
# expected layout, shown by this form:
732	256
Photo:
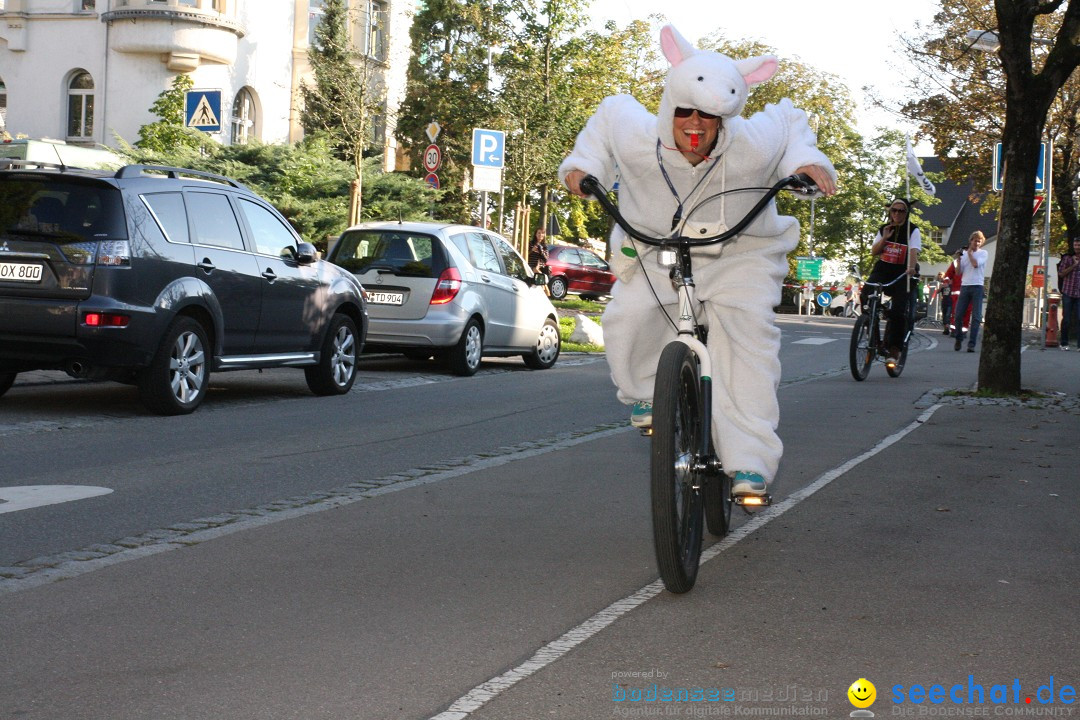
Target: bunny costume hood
625	144
697	80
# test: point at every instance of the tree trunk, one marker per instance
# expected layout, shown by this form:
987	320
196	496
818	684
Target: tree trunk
999	364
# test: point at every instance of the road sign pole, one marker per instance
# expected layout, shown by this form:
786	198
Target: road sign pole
1048	170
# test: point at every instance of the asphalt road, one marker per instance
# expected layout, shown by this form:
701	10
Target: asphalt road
429	546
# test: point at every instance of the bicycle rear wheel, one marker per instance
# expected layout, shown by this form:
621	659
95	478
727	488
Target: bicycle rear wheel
676	488
895	370
861	352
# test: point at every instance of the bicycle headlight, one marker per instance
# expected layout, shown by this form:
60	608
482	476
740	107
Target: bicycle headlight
667	257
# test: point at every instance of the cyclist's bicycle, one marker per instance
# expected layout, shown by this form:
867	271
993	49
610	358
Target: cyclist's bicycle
687	479
867	343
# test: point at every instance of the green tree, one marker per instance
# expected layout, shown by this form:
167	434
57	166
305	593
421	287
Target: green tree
1037	57
346	94
615	61
535	101
169	132
959	101
448	82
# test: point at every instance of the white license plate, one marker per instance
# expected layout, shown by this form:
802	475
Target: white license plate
386	298
20	272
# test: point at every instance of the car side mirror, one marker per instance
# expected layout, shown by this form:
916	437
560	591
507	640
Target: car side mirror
539	279
306	253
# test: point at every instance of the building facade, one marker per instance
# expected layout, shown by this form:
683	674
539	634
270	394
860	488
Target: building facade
87	71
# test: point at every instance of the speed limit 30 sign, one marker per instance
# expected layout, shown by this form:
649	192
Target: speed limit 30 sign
432	158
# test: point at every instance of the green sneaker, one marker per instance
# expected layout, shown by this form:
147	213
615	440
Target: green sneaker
748	483
641	415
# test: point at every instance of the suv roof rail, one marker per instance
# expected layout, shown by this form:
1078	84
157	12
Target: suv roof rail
174	172
9	163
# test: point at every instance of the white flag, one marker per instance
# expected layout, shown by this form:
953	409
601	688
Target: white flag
916	171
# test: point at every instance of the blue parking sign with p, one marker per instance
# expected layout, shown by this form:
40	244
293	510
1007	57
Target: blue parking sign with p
487	148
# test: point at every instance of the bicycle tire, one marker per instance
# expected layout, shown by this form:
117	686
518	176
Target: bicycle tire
677	502
861	351
895	370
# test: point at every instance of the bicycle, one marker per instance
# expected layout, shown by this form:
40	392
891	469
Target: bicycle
867	343
687	478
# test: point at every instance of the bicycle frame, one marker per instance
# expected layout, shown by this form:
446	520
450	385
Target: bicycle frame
869	323
688	485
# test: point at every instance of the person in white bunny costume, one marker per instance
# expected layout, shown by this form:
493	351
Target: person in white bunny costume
695	147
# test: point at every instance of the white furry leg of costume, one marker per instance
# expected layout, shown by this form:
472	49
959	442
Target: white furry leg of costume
636	331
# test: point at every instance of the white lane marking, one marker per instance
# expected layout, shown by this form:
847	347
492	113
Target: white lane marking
814	341
487	691
24	497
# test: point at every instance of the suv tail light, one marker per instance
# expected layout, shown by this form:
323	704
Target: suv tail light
446	289
114	252
96	319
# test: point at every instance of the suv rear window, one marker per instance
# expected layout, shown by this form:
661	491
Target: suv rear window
409	254
59	208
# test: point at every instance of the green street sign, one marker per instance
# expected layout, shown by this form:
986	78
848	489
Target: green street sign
808	268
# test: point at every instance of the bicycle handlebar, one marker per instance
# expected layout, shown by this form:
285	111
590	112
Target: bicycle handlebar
799	182
885	285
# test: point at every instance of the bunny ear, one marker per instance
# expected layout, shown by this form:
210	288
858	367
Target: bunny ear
757	70
675	47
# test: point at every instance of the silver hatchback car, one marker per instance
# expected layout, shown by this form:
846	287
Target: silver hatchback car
454	292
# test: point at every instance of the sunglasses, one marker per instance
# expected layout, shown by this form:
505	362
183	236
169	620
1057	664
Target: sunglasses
687	112
898	211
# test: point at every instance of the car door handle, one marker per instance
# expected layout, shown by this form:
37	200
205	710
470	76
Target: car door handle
270	275
206	266
485	278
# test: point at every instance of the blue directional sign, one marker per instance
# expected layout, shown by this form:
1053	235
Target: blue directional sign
824	299
487	148
999	168
202	110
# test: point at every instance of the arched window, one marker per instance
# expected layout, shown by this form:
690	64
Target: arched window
80	124
243	117
3	100
315	15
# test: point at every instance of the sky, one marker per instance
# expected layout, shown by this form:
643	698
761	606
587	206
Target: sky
855	40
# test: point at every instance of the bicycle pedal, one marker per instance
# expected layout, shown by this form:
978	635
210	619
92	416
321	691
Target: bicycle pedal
752	501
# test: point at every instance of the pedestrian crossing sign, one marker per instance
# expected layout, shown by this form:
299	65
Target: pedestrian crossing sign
202	110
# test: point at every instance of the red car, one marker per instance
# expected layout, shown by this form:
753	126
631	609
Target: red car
577	270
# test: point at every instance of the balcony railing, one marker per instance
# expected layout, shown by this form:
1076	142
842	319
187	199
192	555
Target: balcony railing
188	32
201	12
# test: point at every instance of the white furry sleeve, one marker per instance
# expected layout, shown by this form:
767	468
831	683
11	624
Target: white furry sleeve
594	150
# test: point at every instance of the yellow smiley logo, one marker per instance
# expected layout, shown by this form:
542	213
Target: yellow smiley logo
862	693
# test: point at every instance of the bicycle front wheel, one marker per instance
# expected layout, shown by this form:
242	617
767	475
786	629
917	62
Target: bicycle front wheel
676	488
861	352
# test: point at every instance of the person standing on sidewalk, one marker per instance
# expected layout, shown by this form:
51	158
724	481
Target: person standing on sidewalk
972	267
1069	280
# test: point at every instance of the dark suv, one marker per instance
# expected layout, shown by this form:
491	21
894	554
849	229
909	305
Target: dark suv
157	276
